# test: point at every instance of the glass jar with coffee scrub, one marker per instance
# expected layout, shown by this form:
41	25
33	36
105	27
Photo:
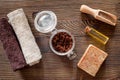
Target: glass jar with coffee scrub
61	41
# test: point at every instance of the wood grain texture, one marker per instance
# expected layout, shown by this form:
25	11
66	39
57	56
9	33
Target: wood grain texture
53	67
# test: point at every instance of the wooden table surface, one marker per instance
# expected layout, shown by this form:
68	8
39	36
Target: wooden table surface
53	67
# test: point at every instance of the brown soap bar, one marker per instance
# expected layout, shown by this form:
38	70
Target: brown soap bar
92	59
11	45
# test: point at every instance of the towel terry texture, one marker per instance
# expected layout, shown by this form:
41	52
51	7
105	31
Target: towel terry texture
26	39
11	45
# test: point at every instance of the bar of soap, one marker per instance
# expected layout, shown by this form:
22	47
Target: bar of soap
92	59
11	45
24	34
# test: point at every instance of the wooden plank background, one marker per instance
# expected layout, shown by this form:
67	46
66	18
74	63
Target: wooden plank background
53	67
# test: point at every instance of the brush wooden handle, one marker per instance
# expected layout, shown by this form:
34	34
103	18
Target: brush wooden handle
88	10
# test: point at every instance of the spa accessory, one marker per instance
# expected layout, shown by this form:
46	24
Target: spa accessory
46	22
92	59
26	39
97	35
86	27
100	15
11	45
70	53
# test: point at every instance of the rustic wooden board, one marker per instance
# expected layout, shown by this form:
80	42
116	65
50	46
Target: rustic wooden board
53	67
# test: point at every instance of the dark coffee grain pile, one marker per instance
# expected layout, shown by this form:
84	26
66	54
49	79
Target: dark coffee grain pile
62	42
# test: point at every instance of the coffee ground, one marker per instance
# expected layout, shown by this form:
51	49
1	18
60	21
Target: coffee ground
62	42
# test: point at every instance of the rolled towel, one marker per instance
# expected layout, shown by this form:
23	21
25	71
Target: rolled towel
26	39
11	45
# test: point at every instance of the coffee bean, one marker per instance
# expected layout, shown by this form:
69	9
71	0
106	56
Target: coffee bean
62	42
